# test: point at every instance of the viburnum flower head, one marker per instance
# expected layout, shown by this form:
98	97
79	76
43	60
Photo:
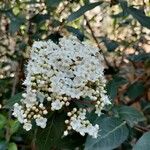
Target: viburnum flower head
58	75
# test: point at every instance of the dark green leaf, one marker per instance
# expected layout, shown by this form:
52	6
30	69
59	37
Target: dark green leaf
140	57
146	107
135	90
16	22
56	23
51	136
130	114
111	45
140	16
124	5
52	3
143	143
112	133
72	141
13	100
76	32
113	85
4	83
40	18
82	10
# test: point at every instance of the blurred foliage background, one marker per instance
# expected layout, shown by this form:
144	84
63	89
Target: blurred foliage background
120	29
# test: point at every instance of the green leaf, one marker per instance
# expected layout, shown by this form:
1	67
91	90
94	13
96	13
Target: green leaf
140	16
2	133
124	5
39	18
50	137
82	10
12	146
112	133
139	57
4	83
52	3
76	32
16	22
14	126
135	90
72	141
129	114
113	85
146	107
143	143
2	121
111	45
55	23
15	99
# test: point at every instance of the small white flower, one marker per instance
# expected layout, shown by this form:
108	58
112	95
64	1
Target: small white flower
56	105
98	111
27	126
30	99
65	133
41	122
105	99
79	124
93	130
17	112
75	123
82	115
82	130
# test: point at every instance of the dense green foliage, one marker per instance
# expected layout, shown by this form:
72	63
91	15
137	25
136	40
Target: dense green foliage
120	29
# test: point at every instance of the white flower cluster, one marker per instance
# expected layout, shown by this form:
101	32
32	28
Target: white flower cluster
60	74
78	123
